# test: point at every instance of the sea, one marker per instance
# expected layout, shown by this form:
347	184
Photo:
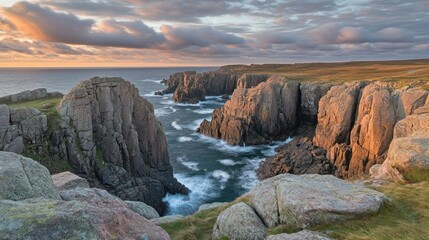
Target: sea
213	170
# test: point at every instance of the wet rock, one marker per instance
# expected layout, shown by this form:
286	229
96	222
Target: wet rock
22	178
239	222
299	156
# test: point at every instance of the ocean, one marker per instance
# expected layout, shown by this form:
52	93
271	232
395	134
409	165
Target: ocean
213	170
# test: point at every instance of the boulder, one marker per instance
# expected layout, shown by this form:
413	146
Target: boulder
88	214
290	200
239	222
22	178
302	235
209	206
143	209
373	129
68	180
167	219
336	115
256	115
109	134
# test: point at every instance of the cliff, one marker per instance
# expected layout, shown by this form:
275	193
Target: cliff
192	87
110	134
354	123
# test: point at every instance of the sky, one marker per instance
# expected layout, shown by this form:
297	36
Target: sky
147	33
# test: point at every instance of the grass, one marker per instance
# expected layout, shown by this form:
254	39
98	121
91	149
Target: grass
199	225
406	216
41	152
401	73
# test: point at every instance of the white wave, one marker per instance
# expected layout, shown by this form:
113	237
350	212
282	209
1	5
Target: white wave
152	80
204	111
172	109
176	125
228	162
202	188
194	125
270	151
151	95
184	139
248	177
222	177
223	146
191	165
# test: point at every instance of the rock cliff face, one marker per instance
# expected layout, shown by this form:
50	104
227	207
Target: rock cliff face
409	150
256	115
192	87
20	126
39	93
110	134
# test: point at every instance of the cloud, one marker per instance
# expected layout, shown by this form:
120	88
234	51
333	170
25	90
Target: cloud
47	25
182	37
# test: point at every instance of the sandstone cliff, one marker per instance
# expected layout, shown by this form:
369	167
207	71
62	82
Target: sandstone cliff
192	87
110	134
256	115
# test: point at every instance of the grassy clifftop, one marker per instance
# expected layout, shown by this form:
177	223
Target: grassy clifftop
407	72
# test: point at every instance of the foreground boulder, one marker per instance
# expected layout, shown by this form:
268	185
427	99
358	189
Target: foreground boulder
299	201
239	222
22	178
68	180
91	214
256	115
110	134
143	209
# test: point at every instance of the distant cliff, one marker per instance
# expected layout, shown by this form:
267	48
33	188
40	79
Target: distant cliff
191	87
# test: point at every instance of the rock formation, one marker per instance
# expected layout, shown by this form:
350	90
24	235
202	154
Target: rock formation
239	222
296	202
20	126
409	149
67	180
192	87
299	156
39	93
110	134
256	115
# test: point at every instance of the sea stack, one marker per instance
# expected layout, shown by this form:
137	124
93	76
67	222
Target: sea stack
109	133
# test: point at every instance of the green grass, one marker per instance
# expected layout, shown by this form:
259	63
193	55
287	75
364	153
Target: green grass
199	225
400	73
41	152
406	216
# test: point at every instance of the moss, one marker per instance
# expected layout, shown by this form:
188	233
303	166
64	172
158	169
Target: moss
41	154
99	158
415	175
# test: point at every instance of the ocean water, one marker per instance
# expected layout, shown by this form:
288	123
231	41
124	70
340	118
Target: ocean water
212	169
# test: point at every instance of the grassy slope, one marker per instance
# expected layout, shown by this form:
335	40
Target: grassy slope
405	217
41	152
400	72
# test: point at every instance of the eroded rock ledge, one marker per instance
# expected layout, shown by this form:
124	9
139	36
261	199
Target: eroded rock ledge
110	134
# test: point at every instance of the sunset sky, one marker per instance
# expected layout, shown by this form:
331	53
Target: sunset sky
86	33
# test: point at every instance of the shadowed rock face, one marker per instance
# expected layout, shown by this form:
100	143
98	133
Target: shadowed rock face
256	115
110	134
191	87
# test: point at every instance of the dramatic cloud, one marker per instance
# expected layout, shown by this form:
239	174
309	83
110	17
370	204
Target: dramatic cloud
214	32
47	25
